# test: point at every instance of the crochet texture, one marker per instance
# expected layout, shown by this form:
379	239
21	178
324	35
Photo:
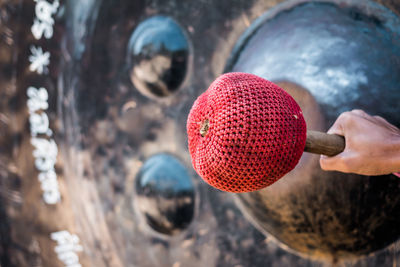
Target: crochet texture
245	133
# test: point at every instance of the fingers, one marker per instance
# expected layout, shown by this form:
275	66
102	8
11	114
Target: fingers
326	163
366	137
385	123
348	118
333	163
339	126
380	119
374	119
360	113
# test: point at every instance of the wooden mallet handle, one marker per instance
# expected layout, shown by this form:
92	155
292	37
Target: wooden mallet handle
323	143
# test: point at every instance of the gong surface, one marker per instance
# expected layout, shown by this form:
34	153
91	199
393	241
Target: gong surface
106	128
342	58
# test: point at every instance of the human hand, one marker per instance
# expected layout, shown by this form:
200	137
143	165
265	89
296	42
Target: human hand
372	145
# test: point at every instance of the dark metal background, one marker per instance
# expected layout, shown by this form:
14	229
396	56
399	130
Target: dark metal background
106	130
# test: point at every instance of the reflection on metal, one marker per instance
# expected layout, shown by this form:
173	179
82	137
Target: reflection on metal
104	130
346	57
165	194
82	16
158	56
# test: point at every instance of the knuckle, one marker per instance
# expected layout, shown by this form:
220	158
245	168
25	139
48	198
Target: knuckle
346	117
358	111
379	118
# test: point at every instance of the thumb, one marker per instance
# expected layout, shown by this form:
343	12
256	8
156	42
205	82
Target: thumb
336	163
340	124
337	128
328	163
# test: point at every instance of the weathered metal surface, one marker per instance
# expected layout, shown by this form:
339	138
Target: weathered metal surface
346	57
105	130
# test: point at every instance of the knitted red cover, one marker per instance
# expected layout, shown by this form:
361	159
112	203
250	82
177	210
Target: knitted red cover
245	133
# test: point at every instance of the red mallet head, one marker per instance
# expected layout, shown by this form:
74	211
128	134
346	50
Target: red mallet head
245	133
